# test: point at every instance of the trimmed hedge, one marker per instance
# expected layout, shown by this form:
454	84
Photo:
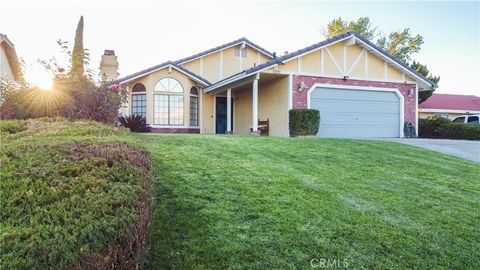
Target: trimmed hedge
441	128
460	131
428	127
74	195
304	122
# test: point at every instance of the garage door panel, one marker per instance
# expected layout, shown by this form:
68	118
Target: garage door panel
351	94
364	118
351	106
356	113
357	132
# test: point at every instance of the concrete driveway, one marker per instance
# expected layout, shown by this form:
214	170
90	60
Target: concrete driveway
463	149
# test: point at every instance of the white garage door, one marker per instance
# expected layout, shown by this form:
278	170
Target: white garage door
351	113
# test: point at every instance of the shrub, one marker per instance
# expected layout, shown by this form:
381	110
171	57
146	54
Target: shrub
136	123
303	122
428	128
460	131
12	127
442	128
75	99
88	100
75	195
74	95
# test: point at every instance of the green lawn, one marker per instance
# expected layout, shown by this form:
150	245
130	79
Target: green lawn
233	202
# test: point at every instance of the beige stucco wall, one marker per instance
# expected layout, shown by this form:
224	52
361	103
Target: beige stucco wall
359	69
353	52
231	63
5	69
211	67
193	66
252	58
376	67
393	73
329	66
208	114
272	105
224	63
150	80
243	110
311	64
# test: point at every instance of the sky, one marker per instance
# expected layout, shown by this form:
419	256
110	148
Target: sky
146	33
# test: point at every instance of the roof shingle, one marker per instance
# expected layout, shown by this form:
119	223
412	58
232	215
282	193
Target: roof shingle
452	102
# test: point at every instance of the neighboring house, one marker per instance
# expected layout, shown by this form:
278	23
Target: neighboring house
449	106
359	89
9	65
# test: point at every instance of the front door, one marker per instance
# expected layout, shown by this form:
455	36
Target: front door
221	115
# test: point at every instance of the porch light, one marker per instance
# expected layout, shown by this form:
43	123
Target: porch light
302	86
410	92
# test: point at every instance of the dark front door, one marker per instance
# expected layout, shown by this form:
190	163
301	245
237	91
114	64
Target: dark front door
221	113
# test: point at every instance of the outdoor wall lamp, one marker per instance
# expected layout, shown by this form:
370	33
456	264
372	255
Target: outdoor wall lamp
302	86
410	92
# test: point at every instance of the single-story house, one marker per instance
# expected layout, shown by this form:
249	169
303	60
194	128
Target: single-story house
449	106
359	89
9	64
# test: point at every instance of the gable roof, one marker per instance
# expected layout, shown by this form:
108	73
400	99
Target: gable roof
191	75
451	102
177	64
341	37
12	57
224	46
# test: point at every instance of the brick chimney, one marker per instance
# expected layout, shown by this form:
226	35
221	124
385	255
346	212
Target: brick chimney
109	65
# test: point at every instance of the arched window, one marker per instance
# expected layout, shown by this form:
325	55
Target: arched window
168	106
139	100
194	106
139	87
168	85
194	91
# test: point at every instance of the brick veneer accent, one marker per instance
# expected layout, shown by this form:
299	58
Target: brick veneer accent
175	130
299	99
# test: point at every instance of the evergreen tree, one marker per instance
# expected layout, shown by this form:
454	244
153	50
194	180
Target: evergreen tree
78	53
422	69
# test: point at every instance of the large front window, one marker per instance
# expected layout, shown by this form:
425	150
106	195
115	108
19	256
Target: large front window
168	104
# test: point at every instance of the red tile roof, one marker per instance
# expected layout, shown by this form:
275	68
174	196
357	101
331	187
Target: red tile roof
452	102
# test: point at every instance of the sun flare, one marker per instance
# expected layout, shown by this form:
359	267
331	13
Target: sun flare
44	83
40	78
